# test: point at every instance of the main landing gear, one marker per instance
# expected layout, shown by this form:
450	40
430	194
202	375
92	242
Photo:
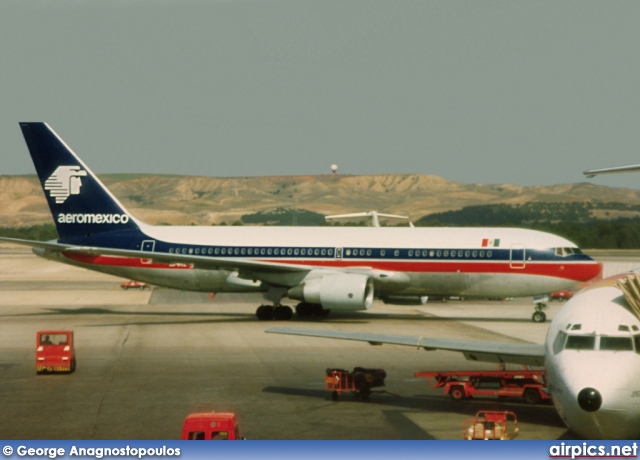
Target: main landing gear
285	313
279	312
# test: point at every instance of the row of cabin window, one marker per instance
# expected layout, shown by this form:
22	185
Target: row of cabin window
253	251
446	253
417	253
328	252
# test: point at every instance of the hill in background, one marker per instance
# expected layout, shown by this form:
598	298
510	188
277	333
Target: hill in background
182	200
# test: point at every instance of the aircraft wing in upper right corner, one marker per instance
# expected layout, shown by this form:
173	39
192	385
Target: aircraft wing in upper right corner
496	352
618	169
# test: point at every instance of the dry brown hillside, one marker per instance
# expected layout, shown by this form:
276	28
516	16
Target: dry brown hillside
181	200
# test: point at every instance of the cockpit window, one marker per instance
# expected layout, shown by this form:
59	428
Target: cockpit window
564	341
616	343
581	342
564	252
636	341
558	343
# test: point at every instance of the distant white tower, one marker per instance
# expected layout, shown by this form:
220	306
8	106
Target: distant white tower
334	168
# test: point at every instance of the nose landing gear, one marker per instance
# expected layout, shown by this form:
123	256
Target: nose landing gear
539	304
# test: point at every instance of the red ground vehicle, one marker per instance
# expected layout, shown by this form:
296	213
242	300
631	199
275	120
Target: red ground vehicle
211	426
133	285
359	382
55	351
526	384
490	425
562	296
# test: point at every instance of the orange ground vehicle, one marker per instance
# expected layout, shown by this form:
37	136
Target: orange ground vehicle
526	384
359	382
55	351
490	425
211	426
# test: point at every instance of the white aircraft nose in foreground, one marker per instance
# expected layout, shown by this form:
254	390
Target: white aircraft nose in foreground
591	355
593	361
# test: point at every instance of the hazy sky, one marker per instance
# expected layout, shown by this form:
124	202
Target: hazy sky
530	92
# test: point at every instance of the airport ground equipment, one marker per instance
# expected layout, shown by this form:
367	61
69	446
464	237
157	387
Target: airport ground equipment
526	384
359	382
132	284
211	426
55	351
491	425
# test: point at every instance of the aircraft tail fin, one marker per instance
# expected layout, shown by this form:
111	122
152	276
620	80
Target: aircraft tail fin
79	202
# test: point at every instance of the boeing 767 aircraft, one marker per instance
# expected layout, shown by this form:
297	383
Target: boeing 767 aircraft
325	268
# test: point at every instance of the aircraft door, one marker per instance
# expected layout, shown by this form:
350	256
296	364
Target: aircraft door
148	246
517	256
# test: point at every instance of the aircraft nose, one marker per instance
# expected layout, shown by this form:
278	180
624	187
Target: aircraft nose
589	399
593	270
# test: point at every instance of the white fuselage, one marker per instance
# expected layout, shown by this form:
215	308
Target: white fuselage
448	261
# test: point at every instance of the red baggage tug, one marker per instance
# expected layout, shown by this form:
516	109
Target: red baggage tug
55	352
211	426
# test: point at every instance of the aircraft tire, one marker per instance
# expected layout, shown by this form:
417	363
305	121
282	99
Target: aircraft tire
265	312
304	309
539	317
282	313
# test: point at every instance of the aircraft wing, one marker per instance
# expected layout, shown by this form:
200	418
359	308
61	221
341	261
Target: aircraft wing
496	352
37	244
618	169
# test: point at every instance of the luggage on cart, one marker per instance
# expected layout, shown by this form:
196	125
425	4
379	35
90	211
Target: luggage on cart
359	382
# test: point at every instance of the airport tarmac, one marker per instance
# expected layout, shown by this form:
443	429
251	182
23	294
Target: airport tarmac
146	359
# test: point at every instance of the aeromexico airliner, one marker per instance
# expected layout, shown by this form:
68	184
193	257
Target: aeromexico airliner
325	268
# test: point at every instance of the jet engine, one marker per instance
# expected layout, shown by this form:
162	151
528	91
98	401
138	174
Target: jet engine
340	291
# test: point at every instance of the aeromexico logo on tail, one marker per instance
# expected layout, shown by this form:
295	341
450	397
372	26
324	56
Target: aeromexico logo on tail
66	181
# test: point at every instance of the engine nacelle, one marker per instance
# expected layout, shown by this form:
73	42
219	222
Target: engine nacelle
340	291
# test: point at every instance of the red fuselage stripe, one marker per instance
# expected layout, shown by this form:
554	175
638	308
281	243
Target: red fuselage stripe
576	271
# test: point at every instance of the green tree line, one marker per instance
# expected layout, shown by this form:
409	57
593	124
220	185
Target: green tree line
573	221
42	232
